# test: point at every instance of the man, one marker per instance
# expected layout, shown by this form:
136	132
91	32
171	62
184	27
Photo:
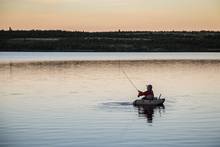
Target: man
148	95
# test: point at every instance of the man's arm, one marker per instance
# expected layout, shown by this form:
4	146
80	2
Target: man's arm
140	93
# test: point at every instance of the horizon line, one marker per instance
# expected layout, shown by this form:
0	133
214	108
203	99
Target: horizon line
119	30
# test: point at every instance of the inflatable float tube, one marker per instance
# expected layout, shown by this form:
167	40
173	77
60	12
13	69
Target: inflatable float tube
153	102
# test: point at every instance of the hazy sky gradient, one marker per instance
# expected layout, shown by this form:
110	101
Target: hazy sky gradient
110	15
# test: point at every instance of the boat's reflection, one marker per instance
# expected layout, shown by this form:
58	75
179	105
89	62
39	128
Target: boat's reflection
149	111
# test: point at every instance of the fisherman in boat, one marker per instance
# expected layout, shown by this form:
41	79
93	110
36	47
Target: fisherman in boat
148	95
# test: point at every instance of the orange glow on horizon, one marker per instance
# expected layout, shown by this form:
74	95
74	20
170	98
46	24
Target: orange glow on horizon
110	15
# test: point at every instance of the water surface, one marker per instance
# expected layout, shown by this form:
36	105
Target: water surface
100	56
88	103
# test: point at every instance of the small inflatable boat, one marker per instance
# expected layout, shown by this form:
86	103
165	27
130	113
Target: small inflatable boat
153	102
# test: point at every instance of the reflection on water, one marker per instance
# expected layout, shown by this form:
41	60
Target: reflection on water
90	103
149	111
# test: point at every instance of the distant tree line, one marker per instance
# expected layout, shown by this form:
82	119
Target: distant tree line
121	41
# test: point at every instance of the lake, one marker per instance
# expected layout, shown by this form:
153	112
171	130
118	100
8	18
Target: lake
85	100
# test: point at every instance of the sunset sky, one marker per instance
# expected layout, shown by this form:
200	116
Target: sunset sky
110	15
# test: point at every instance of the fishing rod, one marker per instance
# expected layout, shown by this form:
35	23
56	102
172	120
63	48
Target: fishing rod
131	82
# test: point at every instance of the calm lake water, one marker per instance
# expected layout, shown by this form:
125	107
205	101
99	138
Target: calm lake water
89	103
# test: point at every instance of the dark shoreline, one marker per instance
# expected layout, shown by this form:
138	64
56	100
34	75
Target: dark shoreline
77	62
121	41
